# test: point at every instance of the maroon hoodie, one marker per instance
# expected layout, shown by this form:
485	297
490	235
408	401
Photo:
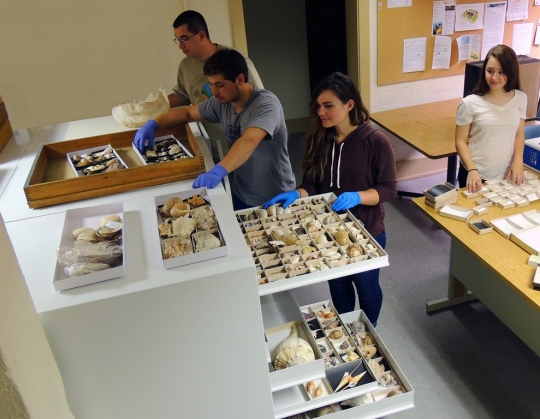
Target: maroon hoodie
364	160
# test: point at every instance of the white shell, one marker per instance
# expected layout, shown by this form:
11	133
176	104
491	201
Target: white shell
183	226
136	113
293	351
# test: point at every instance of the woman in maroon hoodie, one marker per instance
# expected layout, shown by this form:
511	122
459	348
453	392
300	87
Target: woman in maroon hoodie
346	155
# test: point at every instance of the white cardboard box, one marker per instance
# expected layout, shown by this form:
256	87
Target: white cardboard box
87	217
144	159
191	257
79	171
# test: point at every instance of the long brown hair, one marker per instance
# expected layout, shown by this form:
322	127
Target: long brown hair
510	67
319	139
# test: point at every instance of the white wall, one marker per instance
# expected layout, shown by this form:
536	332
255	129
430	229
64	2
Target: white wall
64	60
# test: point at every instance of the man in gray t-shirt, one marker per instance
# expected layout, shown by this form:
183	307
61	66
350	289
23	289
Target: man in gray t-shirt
254	126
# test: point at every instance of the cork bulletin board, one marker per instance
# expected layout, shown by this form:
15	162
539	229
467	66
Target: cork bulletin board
394	25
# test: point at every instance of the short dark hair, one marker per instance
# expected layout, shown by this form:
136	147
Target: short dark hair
194	20
509	63
227	62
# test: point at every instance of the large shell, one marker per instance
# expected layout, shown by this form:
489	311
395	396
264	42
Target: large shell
135	114
84	233
171	202
293	351
183	226
179	210
342	237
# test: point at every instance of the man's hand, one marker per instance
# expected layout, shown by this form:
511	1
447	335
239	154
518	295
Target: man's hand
212	178
146	134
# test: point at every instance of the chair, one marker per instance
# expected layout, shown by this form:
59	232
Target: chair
532	131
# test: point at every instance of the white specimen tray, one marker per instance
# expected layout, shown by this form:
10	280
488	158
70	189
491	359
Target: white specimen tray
88	217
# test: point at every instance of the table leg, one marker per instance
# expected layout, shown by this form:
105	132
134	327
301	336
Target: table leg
457	293
451	169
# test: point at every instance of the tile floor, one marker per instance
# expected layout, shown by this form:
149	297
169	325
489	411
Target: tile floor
463	362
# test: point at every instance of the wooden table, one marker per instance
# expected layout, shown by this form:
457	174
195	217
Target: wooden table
493	268
428	128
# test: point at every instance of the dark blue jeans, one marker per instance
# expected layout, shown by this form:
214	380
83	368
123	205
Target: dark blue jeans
367	287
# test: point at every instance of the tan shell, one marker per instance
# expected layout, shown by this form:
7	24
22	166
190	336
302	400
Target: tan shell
293	351
169	203
342	237
84	233
308	249
112	217
368	351
321	238
271	210
335	334
183	226
355	250
135	114
179	210
310	386
352	356
318	391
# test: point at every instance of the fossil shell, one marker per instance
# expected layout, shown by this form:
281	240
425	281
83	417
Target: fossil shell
308	249
179	210
262	213
312	225
112	217
355	250
177	248
84	233
357	378
357	326
271	211
335	334
135	114
196	201
171	202
331	219
321	238
318	391
342	237
310	386
395	392
368	351
352	356
276	234
293	351
375	366
107	231
206	241
183	226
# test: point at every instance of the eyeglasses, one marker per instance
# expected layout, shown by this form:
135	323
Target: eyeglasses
183	39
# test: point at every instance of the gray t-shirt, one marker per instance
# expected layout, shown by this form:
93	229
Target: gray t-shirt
268	171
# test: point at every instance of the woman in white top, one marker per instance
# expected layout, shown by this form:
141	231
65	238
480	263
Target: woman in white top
490	123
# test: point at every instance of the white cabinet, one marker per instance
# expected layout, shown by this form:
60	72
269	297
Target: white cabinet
277	264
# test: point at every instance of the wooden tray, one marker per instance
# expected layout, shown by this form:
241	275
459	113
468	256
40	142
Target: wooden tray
51	180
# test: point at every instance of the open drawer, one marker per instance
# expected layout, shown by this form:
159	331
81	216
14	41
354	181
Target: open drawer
383	389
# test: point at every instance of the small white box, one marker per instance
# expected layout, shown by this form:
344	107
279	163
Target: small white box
87	217
165	158
195	256
79	171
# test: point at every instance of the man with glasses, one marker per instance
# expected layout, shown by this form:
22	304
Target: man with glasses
191	35
254	126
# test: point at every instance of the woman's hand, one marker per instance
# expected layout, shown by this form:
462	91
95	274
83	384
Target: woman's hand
515	174
474	181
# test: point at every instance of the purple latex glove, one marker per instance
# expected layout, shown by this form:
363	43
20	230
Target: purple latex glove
212	178
286	197
346	200
146	134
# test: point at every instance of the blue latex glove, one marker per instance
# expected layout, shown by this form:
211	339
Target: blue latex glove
212	178
346	200
286	197
146	133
